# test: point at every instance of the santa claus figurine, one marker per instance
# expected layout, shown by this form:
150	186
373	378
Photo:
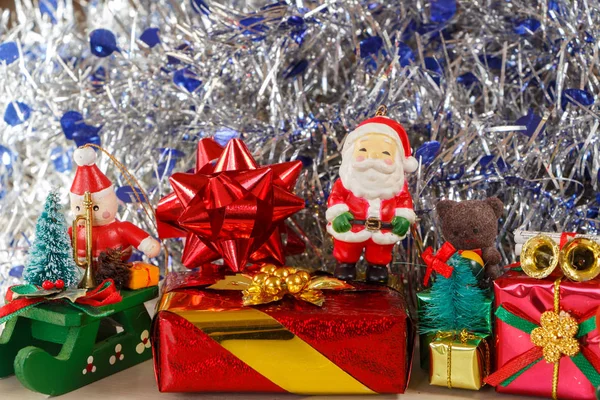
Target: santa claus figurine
369	208
107	231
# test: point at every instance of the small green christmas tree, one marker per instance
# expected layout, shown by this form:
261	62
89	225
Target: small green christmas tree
458	302
51	255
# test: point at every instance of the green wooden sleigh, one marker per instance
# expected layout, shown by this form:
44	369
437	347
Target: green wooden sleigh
55	348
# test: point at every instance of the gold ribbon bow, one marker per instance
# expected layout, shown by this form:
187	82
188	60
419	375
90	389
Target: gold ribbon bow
273	283
556	336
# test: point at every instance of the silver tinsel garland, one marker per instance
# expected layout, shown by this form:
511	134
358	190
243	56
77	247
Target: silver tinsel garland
498	98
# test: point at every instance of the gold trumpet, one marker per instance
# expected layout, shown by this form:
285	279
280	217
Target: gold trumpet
579	259
88	281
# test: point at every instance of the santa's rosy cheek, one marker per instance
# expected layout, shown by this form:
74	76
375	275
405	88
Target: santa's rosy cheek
106	215
360	158
389	161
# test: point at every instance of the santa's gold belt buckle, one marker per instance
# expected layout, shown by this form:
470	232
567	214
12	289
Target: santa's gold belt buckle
373	224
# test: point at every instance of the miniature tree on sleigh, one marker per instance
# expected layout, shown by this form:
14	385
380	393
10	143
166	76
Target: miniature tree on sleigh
51	255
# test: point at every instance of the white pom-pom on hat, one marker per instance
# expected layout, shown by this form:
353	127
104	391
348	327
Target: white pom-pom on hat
410	164
84	156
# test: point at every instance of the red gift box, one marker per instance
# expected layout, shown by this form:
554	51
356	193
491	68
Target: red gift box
521	365
204	340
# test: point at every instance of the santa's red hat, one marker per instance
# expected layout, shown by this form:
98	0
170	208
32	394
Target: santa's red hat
388	127
88	177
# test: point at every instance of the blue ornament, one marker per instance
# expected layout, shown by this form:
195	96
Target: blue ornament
298	35
598	194
16	115
16	271
592	213
224	135
589	38
468	79
295	69
200	6
531	121
103	43
174	60
306	161
577	97
491	61
165	168
407	56
295	20
435	67
85	134
442	10
526	26
7	157
253	25
49	7
186	79
427	151
9	52
127	194
136	255
62	160
150	37
370	46
167	152
69	122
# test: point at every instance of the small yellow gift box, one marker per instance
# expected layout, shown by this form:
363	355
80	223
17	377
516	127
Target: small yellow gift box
458	360
143	275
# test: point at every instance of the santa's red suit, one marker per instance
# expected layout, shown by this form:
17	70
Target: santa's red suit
378	244
375	240
123	235
107	232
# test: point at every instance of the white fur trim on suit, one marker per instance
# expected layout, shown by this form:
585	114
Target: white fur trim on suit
374	210
386	237
407	213
335	211
350	237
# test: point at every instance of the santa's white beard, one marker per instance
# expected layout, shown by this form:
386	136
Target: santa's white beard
372	179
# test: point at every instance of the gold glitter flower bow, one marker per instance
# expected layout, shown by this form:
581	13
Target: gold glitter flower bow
556	335
273	283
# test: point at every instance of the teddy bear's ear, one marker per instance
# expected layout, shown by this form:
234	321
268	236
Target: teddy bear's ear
443	207
496	205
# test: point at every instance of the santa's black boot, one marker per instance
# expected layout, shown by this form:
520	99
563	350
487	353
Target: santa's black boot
345	272
377	274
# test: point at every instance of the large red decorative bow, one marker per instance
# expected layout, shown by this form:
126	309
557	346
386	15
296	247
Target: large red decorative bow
231	208
438	261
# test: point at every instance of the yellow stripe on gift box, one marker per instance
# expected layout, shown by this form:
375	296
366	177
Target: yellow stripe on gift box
274	352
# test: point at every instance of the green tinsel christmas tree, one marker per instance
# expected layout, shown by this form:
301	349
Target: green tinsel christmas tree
51	255
457	303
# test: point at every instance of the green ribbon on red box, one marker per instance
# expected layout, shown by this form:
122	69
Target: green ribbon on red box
585	360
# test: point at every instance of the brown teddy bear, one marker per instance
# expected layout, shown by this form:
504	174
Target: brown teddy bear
473	225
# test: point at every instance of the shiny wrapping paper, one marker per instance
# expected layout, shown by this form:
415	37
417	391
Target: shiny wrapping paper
533	297
423	299
358	342
468	362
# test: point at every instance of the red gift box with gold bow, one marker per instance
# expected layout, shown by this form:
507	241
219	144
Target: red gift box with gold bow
547	343
205	340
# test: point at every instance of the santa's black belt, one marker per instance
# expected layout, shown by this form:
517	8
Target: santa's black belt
372	224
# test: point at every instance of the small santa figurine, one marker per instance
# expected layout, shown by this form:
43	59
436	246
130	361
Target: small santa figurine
369	208
107	231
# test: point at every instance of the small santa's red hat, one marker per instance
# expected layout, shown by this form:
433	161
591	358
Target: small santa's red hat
388	127
88	177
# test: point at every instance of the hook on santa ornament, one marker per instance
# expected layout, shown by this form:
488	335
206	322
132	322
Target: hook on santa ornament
370	208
